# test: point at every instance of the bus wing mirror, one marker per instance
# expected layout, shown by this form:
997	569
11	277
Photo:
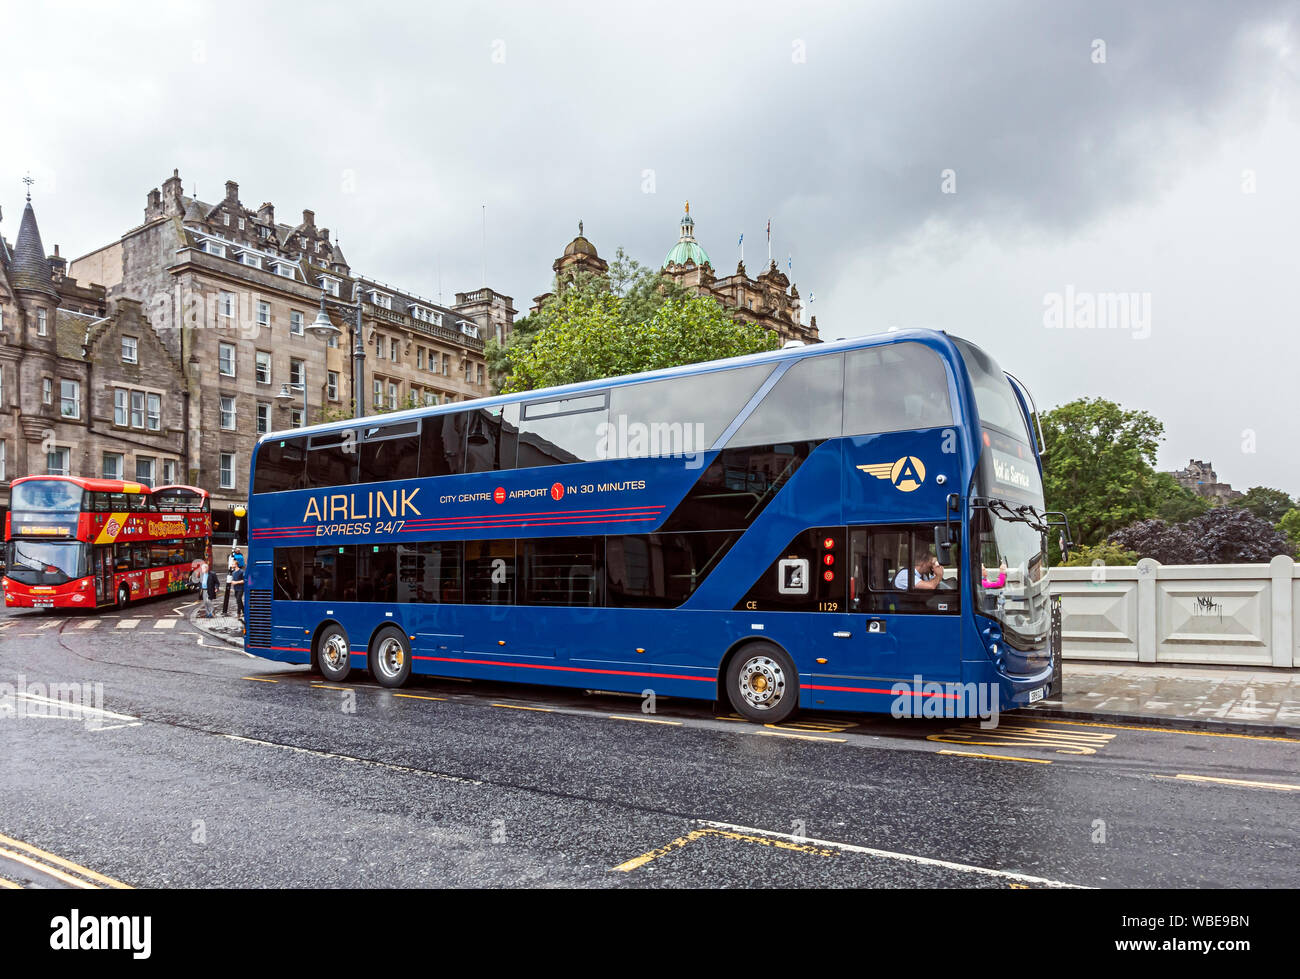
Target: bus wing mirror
942	544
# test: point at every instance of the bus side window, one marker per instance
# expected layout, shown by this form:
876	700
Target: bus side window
122	557
804	405
442	445
885	577
491	438
894	388
288	573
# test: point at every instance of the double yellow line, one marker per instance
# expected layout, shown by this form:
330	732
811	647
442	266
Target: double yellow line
72	874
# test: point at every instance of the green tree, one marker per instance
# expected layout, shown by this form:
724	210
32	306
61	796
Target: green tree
588	335
1099	466
1289	527
1265	503
1106	552
1174	503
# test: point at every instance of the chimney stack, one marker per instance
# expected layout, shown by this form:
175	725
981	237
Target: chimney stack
308	218
232	191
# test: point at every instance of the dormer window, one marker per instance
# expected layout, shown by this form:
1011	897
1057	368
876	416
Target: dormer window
330	285
250	260
284	269
377	298
213	248
469	329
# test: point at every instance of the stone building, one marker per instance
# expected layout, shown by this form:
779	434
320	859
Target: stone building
1201	479
770	300
229	294
86	388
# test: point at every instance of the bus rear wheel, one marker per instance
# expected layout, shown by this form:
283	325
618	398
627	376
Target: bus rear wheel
762	683
332	655
390	658
123	596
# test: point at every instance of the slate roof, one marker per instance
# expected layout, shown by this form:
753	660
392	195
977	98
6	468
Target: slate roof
29	268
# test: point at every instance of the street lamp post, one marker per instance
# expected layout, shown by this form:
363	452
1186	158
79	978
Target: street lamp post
285	397
324	329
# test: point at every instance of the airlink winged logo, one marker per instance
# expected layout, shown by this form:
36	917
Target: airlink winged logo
907	473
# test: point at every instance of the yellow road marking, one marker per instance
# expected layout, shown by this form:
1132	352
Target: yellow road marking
1282	786
976	754
821	727
416	696
696	834
1172	730
44	855
11	885
1065	742
801	737
325	686
643	720
259	679
544	710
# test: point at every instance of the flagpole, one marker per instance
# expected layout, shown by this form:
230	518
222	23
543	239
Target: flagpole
769	242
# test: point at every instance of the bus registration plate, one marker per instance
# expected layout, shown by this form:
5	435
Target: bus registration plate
1036	695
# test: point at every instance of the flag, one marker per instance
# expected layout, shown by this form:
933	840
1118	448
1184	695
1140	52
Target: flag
789	262
769	229
742	239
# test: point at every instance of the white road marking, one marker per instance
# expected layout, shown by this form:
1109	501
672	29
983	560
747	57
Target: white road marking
359	761
904	857
165	624
71	710
128	623
88	624
49	625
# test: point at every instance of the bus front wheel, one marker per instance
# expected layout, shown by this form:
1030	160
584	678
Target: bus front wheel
390	658
123	596
762	683
333	656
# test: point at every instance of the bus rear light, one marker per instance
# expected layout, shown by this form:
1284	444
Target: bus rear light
640	649
501	642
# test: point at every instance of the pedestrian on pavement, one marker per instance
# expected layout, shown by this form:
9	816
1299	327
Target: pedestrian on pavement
236	581
233	563
206	588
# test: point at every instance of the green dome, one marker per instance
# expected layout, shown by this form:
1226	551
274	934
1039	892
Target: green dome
686	252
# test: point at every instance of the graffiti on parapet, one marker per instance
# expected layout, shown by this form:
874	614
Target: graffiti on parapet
1206	605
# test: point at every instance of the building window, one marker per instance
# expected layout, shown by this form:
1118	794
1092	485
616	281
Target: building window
284	270
295	322
380	300
392	349
154	414
112	465
297	372
263	418
469	368
446	365
332	385
47	391
379	393
226	305
226	359
3	477
137	409
144	469
212	248
169	472
130	350
263	314
241	224
392	395
263	367
295	418
419	358
227	476
430	398
41	324
329	285
479	374
227	412
2	320
225	218
58	462
247	258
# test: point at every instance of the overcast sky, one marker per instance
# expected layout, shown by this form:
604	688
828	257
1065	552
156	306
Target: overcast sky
1144	149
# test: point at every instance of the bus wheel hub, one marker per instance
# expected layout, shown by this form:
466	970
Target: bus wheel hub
762	682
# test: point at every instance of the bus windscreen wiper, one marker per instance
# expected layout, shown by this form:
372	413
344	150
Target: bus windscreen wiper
1017	514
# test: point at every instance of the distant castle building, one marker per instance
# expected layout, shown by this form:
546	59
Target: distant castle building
770	300
1201	479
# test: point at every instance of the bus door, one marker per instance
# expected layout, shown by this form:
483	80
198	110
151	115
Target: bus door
905	607
101	566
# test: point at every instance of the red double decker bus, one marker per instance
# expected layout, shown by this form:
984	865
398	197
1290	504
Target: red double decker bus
88	543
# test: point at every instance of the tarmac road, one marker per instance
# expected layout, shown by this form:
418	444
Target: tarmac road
185	762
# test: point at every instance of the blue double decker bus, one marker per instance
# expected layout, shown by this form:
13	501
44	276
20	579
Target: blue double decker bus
820	526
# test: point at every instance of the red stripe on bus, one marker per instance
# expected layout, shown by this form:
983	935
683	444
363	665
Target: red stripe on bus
568	669
487	516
